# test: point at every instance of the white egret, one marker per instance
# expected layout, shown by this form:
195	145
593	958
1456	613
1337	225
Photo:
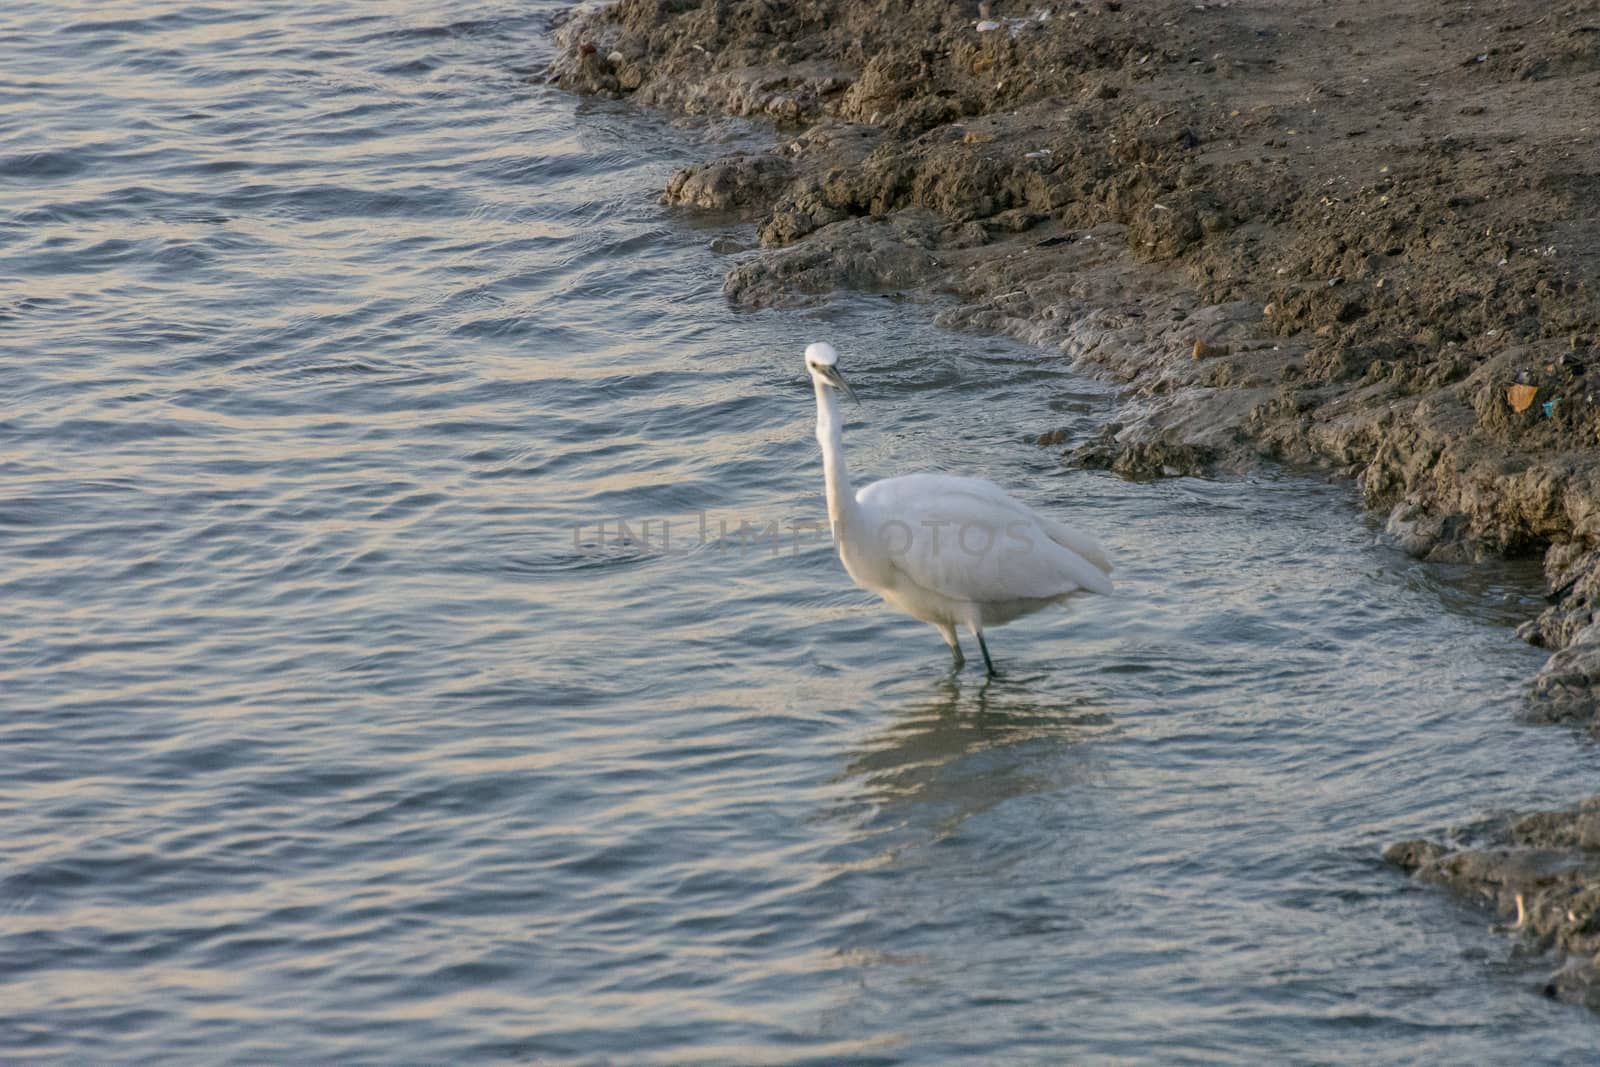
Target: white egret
947	550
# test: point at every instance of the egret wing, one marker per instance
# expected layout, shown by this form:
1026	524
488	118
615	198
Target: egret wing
967	539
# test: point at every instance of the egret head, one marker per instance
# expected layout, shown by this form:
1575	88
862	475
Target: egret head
822	362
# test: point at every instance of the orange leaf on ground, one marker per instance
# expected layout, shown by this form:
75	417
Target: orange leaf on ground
1520	396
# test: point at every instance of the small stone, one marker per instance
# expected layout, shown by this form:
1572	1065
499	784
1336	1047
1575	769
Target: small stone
1325	331
1266	312
1412	854
616	59
988	26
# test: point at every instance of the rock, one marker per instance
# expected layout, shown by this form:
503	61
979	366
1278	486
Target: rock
732	182
889	80
856	254
1573	574
1543	876
1427	535
1567	688
1014	221
1413	854
1139	459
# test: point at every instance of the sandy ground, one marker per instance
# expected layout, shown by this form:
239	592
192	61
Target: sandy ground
1361	236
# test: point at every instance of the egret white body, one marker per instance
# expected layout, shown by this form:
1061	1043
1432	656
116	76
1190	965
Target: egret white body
947	550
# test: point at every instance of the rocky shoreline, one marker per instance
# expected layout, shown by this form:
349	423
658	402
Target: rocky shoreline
1362	237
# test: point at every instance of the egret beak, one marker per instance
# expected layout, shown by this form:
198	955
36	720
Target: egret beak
836	380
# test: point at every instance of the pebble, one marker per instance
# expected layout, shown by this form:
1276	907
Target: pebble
988	26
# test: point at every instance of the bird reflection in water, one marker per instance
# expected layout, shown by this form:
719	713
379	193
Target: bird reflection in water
963	750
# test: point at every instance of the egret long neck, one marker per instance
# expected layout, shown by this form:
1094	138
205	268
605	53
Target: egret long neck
841	501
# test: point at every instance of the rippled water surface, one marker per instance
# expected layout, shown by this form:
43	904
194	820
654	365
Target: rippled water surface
341	722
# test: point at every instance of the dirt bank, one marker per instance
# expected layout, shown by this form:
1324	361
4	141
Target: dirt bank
1323	231
1543	876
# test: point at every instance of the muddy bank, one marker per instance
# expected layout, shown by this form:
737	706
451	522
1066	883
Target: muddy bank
1365	237
1542	876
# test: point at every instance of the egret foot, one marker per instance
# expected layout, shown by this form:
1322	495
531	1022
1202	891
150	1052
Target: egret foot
988	663
949	635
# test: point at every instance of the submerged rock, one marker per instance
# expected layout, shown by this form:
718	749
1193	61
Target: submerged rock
1567	688
730	183
1574	577
1141	459
1544	880
1427	535
851	254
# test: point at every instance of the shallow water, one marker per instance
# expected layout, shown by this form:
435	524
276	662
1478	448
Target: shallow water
341	723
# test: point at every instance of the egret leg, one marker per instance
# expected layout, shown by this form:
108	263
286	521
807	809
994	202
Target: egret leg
949	635
988	663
